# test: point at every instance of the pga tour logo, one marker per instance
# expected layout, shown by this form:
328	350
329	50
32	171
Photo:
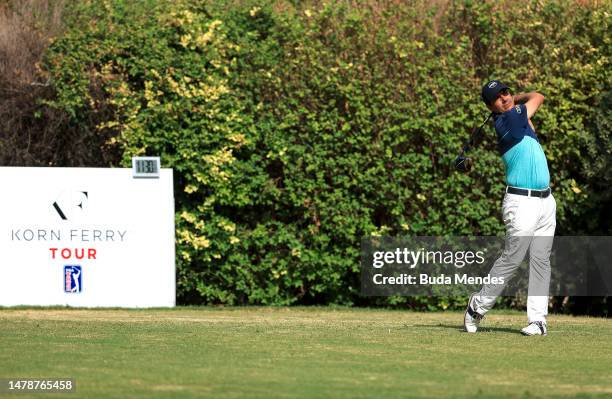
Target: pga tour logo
72	279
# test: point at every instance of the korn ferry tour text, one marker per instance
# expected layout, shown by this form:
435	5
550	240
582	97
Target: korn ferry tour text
83	235
92	236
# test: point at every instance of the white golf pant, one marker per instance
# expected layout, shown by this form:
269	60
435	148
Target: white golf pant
530	225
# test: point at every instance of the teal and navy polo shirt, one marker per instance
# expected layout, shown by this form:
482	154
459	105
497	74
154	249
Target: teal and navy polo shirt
521	151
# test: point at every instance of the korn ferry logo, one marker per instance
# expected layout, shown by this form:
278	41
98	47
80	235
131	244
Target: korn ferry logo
72	279
71	204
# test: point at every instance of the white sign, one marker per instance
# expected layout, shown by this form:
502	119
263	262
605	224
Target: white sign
86	237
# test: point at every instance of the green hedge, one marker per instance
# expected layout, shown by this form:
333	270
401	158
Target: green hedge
296	129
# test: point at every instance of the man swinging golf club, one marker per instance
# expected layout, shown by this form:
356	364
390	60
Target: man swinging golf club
528	207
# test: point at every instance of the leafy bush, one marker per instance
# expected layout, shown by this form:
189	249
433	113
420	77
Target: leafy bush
295	130
32	133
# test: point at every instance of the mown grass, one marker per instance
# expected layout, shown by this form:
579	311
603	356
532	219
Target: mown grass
304	353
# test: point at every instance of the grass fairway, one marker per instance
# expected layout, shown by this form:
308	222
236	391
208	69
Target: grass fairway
303	353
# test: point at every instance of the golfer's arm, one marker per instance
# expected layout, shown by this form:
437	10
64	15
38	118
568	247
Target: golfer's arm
531	100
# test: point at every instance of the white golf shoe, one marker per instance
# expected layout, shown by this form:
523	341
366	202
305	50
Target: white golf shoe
471	319
535	328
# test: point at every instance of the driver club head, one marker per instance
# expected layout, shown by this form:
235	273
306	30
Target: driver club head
463	164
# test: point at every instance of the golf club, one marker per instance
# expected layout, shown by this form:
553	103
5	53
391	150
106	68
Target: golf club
463	163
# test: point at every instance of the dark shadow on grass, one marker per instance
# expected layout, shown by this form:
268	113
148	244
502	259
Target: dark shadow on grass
460	328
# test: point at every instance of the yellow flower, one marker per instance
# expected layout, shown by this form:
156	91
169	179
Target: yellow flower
185	255
227	226
574	187
200	242
188	216
185	39
190	189
238	138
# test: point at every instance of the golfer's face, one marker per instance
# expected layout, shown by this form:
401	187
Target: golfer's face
504	102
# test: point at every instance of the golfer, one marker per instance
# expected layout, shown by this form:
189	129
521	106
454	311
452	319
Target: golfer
528	207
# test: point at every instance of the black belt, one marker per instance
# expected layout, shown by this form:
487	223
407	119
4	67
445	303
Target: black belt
529	193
